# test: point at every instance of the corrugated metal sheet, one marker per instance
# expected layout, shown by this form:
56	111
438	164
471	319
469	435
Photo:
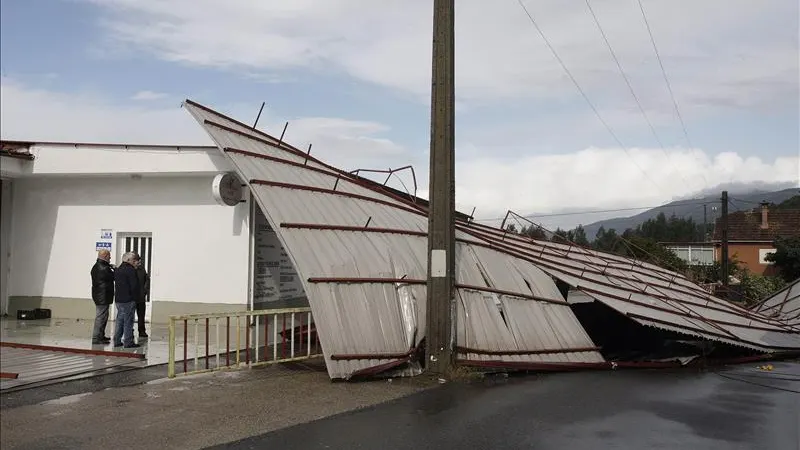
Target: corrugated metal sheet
649	295
353	271
361	252
35	366
784	305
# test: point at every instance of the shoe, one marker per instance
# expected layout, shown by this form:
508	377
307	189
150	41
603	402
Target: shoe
106	338
134	345
99	342
118	344
142	334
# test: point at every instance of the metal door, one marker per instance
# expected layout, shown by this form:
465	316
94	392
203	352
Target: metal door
141	243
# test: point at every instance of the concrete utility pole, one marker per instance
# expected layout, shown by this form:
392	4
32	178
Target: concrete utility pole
724	237
441	225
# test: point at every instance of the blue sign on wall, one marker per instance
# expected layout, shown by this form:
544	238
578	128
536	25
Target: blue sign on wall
102	246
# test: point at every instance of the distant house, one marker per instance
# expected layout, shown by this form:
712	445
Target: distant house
693	253
751	235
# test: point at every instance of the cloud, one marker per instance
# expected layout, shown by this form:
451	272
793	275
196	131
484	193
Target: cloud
605	178
719	54
492	182
148	95
28	113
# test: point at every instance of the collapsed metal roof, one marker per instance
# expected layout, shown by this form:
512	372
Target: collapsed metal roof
361	252
784	305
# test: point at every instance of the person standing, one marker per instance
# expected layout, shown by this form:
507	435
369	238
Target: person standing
144	295
102	294
126	284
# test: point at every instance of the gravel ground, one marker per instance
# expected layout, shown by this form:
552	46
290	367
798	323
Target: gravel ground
193	412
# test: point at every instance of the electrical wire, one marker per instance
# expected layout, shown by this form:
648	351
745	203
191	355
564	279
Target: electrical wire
633	93
583	93
598	211
669	85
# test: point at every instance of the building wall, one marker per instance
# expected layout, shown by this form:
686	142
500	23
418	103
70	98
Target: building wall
749	256
200	249
5	240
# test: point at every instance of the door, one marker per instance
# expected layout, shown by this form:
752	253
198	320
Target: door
141	243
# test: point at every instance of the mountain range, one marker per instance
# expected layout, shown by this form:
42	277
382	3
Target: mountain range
694	208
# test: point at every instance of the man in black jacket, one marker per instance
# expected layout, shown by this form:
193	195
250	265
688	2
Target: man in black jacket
144	294
126	293
102	295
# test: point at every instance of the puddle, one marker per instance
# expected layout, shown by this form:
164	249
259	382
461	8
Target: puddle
180	388
152	395
68	400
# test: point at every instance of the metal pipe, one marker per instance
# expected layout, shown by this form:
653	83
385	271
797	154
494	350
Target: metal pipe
185	345
247	340
238	338
171	350
275	337
196	344
207	354
291	354
255	338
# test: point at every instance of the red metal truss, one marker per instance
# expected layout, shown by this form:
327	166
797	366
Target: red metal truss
547	351
469	287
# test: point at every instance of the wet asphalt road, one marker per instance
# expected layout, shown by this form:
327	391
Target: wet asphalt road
598	410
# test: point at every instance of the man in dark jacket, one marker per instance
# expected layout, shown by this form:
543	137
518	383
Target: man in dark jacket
126	284
102	294
144	294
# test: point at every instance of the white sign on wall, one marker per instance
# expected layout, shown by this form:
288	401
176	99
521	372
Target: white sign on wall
106	234
274	276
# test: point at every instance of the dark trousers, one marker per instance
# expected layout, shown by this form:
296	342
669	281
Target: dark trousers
141	307
100	321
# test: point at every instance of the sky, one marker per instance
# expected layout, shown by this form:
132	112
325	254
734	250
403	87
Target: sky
353	78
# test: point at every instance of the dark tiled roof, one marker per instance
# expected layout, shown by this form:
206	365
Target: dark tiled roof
746	225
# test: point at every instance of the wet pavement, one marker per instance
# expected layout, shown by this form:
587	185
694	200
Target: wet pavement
739	408
191	412
76	333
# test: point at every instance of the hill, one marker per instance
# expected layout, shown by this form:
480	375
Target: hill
693	208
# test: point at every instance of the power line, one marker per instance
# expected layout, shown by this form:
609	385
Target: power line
669	86
583	93
597	211
630	88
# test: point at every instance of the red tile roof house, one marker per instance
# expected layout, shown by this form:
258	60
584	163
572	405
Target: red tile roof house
751	235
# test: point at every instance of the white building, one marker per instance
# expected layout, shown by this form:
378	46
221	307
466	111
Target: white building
63	201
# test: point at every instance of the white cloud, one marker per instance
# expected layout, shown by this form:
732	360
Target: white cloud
604	178
41	115
148	95
591	178
718	53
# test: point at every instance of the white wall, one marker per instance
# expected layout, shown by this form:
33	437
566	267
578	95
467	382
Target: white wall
5	242
74	159
200	249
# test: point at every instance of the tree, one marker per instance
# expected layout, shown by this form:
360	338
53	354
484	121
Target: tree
606	240
650	251
756	287
786	257
580	236
533	232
